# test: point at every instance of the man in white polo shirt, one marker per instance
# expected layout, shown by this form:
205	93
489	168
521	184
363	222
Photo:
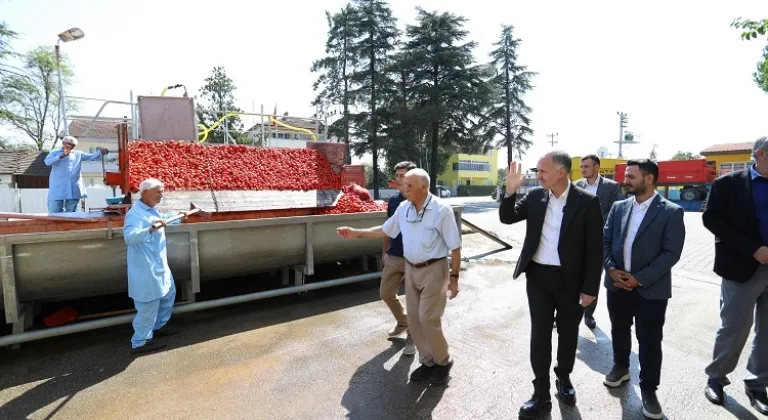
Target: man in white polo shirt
430	233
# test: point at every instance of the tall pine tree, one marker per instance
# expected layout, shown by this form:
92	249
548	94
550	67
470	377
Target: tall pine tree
376	42
509	116
336	67
447	84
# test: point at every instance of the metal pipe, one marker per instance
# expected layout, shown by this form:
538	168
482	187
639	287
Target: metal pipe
62	105
179	309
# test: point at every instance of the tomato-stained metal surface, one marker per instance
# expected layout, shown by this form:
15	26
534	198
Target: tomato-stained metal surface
231	201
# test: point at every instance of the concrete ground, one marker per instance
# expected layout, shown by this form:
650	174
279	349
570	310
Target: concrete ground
325	356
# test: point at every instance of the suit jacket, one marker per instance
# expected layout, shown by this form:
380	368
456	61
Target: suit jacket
581	230
657	247
731	216
607	190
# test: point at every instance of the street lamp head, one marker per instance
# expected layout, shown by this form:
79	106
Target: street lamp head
72	34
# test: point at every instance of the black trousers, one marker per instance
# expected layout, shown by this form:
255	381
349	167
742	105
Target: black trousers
650	315
547	293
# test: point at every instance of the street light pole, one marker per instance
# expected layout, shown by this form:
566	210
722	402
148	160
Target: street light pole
62	105
72	34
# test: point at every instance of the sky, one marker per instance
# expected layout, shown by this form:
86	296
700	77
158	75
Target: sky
679	71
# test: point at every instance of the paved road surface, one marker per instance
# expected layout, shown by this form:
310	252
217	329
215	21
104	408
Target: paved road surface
325	356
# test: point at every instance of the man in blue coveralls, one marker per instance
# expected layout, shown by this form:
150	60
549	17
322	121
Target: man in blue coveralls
150	282
65	184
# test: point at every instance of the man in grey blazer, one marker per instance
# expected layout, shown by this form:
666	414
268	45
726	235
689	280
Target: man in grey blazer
643	239
607	190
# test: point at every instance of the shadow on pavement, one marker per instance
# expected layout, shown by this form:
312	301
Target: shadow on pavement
70	364
377	393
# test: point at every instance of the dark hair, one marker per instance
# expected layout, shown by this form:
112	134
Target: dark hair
647	167
405	165
563	159
593	157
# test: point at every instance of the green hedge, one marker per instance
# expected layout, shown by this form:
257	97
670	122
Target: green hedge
475	190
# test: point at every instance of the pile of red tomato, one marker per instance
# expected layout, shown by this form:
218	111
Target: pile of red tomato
195	167
351	202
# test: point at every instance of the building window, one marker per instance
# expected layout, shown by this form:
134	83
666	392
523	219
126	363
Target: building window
726	168
468	165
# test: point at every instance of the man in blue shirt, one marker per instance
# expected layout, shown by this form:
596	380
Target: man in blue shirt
65	184
150	282
394	264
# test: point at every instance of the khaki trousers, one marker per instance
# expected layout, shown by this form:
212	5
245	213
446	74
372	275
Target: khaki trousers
425	298
391	278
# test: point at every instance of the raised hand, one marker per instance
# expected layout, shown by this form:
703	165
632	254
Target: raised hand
514	178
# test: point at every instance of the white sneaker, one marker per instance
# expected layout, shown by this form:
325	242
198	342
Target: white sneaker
399	329
410	348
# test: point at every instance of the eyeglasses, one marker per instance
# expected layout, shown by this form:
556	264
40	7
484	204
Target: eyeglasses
420	215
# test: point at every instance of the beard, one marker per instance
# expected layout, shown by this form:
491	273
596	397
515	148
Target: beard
637	190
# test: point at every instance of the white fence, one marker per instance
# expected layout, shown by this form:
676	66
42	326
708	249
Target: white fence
35	200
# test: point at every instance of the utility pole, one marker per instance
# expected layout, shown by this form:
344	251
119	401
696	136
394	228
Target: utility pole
622	125
552	140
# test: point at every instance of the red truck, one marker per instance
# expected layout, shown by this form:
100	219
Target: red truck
693	177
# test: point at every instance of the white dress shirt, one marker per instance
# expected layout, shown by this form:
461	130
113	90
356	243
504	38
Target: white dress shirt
547	253
638	213
430	233
592	188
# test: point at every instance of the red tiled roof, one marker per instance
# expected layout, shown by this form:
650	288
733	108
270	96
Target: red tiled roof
729	148
23	162
103	129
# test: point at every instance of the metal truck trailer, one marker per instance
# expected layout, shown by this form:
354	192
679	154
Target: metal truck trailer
74	264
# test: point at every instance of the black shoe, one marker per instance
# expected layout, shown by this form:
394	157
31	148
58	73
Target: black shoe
589	321
535	406
422	373
759	400
651	406
617	376
151	345
714	392
440	373
565	391
166	331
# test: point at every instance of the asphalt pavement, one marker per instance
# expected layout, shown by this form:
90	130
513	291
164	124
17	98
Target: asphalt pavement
325	355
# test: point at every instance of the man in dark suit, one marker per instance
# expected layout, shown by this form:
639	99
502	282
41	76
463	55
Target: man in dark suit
562	266
607	190
737	214
643	240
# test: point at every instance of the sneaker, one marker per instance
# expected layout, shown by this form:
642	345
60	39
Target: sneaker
651	406
399	329
617	376
410	348
166	331
150	345
440	373
422	373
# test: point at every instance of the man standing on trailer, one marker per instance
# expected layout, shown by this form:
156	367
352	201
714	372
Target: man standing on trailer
65	184
607	190
430	233
150	282
737	214
394	263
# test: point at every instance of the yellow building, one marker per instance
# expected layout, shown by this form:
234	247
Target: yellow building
607	167
729	157
466	169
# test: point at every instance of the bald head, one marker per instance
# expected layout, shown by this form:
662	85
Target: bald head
553	169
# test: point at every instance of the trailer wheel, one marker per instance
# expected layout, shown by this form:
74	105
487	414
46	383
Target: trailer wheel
689	194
